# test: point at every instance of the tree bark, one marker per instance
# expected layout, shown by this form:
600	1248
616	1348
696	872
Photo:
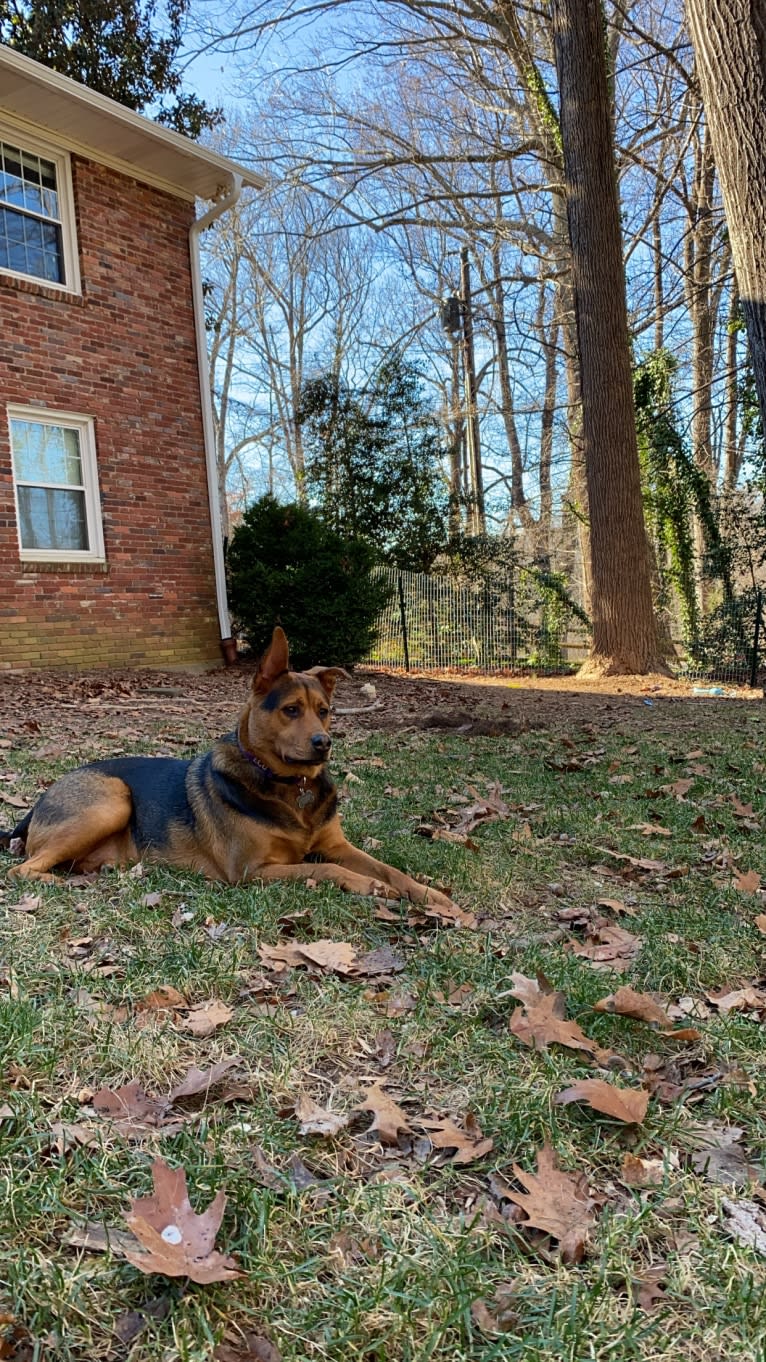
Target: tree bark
729	38
624	628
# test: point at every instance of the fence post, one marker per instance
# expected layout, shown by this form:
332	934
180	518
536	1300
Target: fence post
756	640
403	614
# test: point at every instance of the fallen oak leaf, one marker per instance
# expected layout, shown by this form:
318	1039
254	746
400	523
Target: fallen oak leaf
202	1080
162	999
556	1203
389	1121
177	1241
624	1104
129	1105
626	1002
249	1348
468	1144
746	881
316	1120
541	1021
204	1018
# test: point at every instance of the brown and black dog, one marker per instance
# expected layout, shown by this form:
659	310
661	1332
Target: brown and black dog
253	808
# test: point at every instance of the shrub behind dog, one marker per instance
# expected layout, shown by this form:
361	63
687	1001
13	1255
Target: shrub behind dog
287	567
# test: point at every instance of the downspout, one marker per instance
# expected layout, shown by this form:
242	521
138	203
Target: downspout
228	200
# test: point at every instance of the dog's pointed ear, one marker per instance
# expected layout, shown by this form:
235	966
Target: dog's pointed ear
327	677
275	661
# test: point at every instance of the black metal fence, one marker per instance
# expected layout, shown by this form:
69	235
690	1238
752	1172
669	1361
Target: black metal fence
501	624
509	624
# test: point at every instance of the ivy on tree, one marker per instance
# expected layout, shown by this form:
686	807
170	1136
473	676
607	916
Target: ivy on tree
125	49
375	463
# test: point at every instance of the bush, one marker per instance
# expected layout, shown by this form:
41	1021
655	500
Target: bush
287	567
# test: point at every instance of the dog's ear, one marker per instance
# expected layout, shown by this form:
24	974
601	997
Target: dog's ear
327	677
275	661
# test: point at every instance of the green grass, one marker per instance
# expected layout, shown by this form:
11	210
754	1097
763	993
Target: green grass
425	1247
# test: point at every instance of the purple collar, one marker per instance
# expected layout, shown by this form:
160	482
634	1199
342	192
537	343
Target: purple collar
267	771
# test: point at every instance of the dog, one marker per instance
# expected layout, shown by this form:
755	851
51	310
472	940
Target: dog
259	805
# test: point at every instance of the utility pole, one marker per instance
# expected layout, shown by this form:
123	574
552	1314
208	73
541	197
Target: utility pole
478	522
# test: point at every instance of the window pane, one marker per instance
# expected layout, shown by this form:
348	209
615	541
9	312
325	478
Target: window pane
30	246
52	519
28	181
43	453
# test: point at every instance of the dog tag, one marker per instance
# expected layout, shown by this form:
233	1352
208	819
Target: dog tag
305	798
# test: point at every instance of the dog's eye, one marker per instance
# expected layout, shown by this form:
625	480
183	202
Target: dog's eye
292	711
323	711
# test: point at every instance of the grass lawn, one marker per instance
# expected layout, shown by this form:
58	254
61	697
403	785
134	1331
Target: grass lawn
353	1249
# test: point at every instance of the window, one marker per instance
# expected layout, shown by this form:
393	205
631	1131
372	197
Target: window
36	214
56	484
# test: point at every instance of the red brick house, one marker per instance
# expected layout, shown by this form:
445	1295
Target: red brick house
110	537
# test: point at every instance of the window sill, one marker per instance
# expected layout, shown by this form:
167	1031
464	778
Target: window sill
56	295
80	568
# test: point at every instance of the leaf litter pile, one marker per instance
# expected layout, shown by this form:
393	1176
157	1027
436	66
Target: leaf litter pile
285	1123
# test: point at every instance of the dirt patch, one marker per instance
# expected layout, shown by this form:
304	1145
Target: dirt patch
121	703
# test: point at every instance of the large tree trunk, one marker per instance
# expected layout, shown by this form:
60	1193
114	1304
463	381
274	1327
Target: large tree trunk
624	627
729	39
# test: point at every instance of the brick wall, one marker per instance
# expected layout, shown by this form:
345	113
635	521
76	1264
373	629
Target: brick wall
124	354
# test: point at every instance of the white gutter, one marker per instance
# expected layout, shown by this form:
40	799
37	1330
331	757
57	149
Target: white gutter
228	200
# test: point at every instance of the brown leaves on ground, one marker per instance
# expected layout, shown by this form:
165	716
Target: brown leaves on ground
389	1121
331	957
178	1242
469	1144
606	945
246	1348
134	1113
541	1020
626	1002
746	881
556	1203
624	1104
204	1018
316	1120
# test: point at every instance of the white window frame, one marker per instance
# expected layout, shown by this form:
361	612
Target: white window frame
64	187
84	425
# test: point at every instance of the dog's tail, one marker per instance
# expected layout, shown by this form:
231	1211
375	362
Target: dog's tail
17	835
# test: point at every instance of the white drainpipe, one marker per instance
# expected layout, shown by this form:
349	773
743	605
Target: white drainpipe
228	200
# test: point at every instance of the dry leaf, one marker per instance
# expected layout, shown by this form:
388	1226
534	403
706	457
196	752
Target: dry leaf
556	1203
316	1120
541	1020
202	1080
389	1119
649	1288
746	1222
625	1104
162	999
650	830
129	1106
607	946
468	1144
746	881
100	1239
248	1348
177	1241
67	1135
205	1018
747	999
640	1006
760	923
28	903
638	1172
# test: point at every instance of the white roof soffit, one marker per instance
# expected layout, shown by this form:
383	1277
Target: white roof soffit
96	126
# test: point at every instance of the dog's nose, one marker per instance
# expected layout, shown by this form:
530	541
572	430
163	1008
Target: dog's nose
321	742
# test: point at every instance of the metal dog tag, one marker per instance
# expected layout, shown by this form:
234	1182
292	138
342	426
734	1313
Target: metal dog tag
305	798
